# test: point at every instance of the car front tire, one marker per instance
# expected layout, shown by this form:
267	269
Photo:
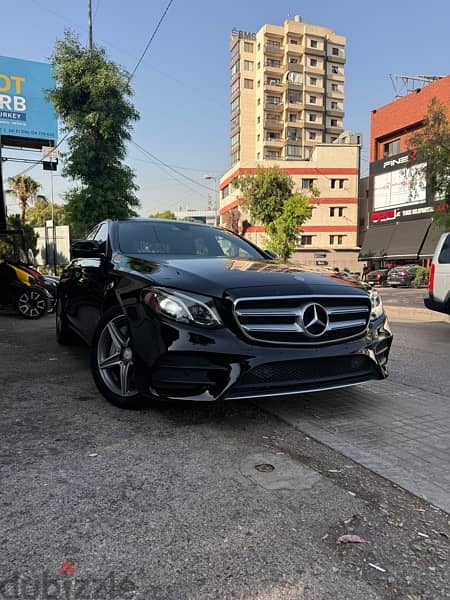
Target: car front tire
112	361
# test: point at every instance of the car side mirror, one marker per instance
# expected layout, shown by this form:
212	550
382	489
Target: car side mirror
86	249
271	254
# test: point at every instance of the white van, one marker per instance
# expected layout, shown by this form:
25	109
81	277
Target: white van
439	282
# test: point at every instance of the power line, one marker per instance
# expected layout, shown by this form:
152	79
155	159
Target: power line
155	158
150	40
44	156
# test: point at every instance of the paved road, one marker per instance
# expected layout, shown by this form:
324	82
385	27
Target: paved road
168	503
407	297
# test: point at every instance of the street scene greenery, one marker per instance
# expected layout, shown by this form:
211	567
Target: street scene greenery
432	147
271	201
92	98
25	188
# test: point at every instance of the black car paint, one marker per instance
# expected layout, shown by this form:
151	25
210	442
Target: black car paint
88	286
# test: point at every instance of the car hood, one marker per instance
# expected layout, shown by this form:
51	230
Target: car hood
221	276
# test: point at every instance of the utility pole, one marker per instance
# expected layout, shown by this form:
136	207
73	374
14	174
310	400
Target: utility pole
91	41
2	194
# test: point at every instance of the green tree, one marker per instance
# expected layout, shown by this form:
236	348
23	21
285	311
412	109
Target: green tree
265	193
25	188
19	239
166	214
432	146
284	230
42	212
92	97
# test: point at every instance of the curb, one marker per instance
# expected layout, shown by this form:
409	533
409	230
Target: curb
403	313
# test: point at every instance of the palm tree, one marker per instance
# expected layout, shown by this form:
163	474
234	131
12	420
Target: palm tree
25	188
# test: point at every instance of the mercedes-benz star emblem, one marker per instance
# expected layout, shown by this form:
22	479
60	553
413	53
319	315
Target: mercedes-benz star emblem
314	320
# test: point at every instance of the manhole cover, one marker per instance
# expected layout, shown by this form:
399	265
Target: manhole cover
265	468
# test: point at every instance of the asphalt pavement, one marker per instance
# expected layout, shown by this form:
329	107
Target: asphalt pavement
198	501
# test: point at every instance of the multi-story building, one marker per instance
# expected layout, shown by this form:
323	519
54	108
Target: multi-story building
287	109
400	205
329	238
287	91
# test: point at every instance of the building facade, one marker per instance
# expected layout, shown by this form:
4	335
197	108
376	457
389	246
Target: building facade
329	238
287	91
400	206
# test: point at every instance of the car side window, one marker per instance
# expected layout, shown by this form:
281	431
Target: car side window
444	255
101	236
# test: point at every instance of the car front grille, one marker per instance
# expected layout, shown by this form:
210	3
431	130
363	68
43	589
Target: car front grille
289	319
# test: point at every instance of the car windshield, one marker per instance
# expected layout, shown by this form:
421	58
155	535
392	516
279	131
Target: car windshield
175	239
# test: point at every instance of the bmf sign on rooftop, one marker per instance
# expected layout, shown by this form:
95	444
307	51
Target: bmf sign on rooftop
25	112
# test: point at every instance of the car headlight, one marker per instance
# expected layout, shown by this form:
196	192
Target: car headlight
377	310
184	308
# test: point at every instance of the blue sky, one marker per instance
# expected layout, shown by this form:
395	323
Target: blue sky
181	87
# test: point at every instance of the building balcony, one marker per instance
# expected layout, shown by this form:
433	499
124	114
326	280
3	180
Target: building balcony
273	123
338	77
274	142
335	129
275	155
315	107
273	68
294	106
315	51
278	106
314	89
275	49
273	86
335	112
337	59
314	125
294	67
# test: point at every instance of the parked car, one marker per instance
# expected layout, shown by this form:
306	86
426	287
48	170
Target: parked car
439	281
22	290
185	311
377	277
402	276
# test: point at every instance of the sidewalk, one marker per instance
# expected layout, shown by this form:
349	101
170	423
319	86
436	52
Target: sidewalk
409	313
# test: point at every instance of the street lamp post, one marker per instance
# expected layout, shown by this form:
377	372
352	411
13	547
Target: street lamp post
217	191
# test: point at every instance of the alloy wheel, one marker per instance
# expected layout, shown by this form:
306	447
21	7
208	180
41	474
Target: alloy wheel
115	358
31	304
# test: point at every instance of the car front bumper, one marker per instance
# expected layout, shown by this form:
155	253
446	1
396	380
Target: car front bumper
188	363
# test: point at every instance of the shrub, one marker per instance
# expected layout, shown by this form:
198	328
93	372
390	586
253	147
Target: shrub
421	278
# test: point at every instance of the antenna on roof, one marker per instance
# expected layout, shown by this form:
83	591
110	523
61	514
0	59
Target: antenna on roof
405	84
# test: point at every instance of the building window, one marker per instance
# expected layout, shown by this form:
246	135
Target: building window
259	83
293	61
334	105
226	191
292	41
272	154
248	47
391	148
333	138
334	87
272	135
235	140
294	97
235	122
271	44
235	68
293	151
307	184
258	120
248	84
235	51
313	99
274	100
248	65
336	211
292	117
258	137
295	78
334	70
306	240
336	240
313	80
293	134
235	157
333	123
313	62
258	66
273	62
313	44
235	87
337	184
273	81
258	155
258	102
312	135
235	105
335	51
312	118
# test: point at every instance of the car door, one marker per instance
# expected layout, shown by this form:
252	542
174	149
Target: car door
88	278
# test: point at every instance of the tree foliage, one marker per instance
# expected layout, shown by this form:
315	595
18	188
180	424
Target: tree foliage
284	230
18	233
42	212
92	99
265	193
25	188
166	214
432	146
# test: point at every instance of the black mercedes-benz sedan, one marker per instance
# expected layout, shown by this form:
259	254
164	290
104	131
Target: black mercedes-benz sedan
179	310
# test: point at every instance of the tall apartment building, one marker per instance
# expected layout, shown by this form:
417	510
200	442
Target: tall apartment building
287	91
